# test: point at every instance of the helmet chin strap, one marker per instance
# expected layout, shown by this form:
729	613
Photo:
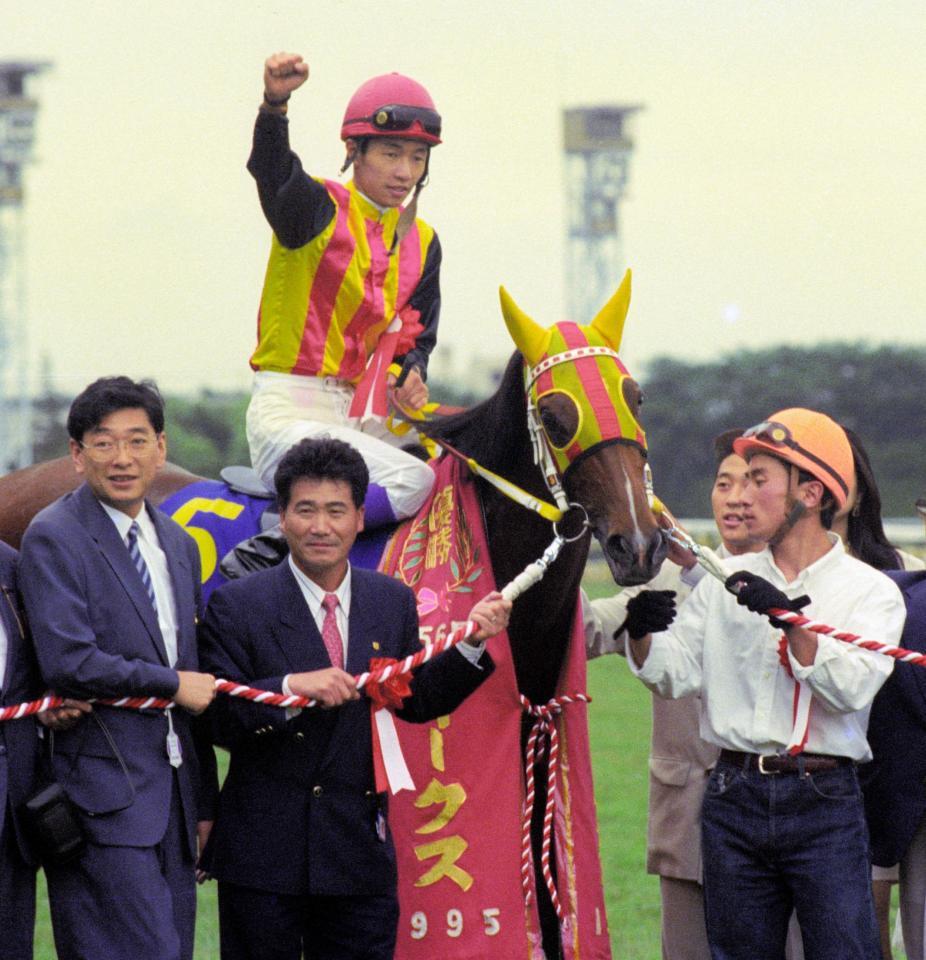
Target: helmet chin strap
795	511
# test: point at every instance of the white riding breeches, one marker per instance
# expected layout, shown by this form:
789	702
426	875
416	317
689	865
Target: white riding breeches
285	408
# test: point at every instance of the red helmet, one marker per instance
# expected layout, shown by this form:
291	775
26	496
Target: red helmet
392	106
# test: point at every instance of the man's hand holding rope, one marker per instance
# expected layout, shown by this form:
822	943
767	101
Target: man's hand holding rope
758	595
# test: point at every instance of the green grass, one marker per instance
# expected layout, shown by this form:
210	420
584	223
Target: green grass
620	734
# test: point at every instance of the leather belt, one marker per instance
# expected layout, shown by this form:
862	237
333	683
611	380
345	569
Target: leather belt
784	763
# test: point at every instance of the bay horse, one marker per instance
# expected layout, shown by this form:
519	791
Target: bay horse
23	493
585	405
567	387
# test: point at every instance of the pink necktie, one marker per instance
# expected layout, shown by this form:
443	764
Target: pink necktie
330	633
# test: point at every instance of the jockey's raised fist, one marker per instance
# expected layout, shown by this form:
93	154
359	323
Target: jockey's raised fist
283	73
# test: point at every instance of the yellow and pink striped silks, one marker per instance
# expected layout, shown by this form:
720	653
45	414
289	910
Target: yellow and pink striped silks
325	304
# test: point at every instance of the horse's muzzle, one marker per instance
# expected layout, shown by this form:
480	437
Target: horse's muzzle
635	563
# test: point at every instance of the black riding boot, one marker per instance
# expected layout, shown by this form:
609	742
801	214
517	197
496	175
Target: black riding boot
263	550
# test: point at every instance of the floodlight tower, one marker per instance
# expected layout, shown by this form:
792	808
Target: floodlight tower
598	149
17	133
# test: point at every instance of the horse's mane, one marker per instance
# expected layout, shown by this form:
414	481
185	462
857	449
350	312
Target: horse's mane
494	432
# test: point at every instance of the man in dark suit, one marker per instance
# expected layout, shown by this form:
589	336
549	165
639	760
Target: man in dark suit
19	765
111	587
894	783
300	847
19	747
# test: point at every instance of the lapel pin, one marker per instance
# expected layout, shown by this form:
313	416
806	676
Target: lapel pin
376	644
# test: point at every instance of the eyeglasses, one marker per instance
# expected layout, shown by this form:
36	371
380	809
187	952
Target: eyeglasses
400	117
778	435
106	449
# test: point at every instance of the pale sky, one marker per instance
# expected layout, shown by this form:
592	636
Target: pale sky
776	193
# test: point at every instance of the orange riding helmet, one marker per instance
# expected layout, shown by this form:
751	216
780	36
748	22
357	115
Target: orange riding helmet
809	440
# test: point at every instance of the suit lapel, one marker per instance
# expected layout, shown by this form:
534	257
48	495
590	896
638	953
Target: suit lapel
916	609
12	625
362	633
295	633
114	551
181	578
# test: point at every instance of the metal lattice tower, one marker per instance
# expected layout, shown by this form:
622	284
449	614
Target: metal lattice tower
17	133
598	150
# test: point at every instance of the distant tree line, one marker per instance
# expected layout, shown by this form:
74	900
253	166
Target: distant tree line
879	392
204	432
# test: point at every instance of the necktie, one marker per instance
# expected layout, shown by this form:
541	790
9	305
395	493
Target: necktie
140	564
330	633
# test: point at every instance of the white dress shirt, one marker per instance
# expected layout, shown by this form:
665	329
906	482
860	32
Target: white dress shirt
314	595
732	656
150	548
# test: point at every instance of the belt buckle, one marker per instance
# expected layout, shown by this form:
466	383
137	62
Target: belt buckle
762	769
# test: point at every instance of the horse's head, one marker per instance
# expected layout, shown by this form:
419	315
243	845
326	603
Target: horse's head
582	412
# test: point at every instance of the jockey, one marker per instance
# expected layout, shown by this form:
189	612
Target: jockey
351	296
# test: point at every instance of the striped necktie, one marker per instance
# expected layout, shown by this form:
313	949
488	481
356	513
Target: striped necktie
140	564
330	633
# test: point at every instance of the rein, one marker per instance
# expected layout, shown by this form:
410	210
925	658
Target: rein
543	459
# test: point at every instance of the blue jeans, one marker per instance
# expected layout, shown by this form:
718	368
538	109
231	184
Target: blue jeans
776	842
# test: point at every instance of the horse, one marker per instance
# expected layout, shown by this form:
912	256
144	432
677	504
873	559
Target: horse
564	395
24	492
602	471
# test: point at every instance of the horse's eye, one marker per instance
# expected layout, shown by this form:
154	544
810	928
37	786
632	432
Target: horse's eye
560	418
633	395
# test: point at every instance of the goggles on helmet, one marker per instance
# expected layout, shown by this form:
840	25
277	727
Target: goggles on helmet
401	117
778	435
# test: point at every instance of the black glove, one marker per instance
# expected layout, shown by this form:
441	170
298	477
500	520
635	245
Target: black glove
649	612
759	595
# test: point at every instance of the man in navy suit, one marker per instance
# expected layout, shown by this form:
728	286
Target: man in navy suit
19	763
894	783
19	746
111	587
300	846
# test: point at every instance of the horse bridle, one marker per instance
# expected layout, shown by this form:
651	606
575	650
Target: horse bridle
543	458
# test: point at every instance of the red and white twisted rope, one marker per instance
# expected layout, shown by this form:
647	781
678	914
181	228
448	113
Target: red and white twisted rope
714	565
887	649
18	710
380	675
544	727
254	694
530	575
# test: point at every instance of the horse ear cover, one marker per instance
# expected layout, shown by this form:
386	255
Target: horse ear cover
609	321
529	337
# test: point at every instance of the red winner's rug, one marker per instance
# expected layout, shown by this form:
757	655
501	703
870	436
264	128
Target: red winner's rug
458	833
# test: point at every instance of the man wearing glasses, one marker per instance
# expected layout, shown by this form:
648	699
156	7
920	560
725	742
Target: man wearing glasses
111	588
351	297
782	821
